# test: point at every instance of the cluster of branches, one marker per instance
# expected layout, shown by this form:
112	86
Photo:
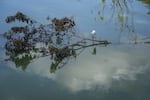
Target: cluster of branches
20	17
36	40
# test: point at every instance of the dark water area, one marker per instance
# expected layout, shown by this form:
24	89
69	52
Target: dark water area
118	71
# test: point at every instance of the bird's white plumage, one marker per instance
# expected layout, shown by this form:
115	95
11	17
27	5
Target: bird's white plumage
93	32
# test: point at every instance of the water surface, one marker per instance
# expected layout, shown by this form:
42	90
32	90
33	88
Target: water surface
119	71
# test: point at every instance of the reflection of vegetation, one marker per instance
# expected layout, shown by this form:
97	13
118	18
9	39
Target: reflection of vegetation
148	3
119	14
22	62
34	40
145	1
94	51
119	11
57	39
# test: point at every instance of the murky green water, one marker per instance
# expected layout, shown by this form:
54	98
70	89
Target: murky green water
119	71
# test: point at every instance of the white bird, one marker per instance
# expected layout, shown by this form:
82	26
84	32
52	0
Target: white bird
93	32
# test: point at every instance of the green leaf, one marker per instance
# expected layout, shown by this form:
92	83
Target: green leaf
120	17
53	67
101	18
94	51
148	12
113	1
99	13
103	1
22	62
74	53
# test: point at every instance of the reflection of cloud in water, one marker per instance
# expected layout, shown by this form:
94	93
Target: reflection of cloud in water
98	71
133	37
142	21
108	64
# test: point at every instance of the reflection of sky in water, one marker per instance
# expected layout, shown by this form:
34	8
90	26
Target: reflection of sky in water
115	72
88	71
83	12
117	69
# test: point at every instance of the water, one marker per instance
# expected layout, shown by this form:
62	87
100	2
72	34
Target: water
119	71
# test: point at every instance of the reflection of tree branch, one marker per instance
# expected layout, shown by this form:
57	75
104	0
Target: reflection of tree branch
148	42
56	40
120	10
91	45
